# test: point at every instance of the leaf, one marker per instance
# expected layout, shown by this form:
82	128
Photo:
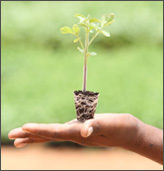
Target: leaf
94	20
91	31
94	26
76	40
84	25
103	20
105	33
81	50
79	15
76	29
109	23
91	26
92	53
109	19
66	30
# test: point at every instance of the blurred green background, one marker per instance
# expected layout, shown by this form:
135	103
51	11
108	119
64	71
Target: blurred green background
41	67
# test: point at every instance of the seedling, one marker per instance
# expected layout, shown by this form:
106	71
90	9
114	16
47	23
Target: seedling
86	101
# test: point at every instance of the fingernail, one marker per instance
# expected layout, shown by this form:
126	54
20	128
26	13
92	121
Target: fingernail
90	130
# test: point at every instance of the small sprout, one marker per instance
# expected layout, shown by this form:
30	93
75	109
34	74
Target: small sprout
91	25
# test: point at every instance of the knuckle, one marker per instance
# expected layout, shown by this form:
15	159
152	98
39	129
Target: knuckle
96	127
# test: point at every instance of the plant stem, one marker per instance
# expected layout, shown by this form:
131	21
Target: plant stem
85	60
81	44
93	38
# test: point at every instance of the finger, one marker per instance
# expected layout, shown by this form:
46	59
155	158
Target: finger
72	121
88	127
19	133
21	142
56	131
97	124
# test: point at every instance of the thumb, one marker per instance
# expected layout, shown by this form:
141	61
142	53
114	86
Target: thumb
87	128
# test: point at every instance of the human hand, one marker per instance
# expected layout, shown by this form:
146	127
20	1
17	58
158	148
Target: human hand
103	130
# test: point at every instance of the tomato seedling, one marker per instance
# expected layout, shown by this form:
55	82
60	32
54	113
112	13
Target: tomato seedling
86	101
92	27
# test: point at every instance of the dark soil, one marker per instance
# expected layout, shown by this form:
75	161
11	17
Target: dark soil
85	104
88	93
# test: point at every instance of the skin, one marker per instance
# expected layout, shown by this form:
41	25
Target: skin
122	130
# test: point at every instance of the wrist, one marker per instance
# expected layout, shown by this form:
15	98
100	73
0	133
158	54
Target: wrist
135	134
148	142
140	135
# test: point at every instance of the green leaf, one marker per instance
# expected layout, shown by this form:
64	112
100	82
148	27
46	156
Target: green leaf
84	25
79	15
105	33
103	20
81	50
92	53
94	26
91	26
76	29
109	19
94	20
66	30
76	40
91	31
109	23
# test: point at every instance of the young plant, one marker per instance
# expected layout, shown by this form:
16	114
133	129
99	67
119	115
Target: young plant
86	101
92	27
